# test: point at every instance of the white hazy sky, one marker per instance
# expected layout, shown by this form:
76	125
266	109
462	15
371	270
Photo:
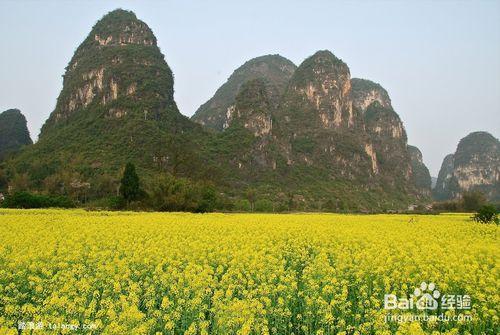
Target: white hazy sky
439	60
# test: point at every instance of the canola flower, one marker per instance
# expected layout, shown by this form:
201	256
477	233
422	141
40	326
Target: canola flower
179	273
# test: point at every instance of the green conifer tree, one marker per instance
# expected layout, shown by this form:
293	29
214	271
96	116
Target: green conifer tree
129	184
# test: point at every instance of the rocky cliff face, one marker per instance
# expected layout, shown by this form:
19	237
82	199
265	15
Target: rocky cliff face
116	105
274	69
14	132
421	175
118	72
316	120
365	92
475	166
442	190
340	135
253	108
251	116
385	132
319	94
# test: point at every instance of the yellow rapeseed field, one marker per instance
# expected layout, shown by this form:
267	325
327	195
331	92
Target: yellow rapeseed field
77	272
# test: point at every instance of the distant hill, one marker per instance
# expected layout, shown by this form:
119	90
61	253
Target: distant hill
475	166
421	174
14	132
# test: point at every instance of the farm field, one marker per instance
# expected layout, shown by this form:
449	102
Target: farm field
78	272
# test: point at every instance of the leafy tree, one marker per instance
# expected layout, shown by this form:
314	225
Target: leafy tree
252	197
20	182
104	186
208	200
264	205
291	201
129	185
170	193
3	181
242	205
330	205
448	206
486	214
473	201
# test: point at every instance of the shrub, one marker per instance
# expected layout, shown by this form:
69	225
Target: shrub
208	199
181	194
447	206
486	214
242	205
116	203
171	194
110	203
29	200
473	201
264	205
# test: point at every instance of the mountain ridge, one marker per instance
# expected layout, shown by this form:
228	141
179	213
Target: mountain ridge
273	68
305	137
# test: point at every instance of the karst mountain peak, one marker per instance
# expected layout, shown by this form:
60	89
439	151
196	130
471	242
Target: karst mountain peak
310	131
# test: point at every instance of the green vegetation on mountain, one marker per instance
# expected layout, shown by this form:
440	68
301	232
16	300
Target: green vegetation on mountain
14	132
288	138
116	106
275	69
